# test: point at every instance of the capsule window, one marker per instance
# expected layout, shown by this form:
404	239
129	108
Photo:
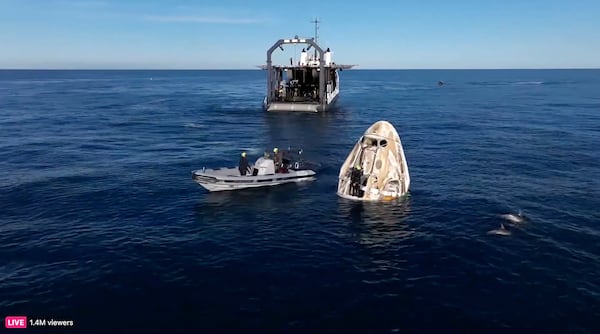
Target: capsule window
383	143
369	141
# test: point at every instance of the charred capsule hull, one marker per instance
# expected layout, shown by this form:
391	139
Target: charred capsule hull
376	168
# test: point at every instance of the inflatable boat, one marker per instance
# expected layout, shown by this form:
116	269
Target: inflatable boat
261	174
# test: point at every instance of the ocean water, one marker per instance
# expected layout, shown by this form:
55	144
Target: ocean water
101	223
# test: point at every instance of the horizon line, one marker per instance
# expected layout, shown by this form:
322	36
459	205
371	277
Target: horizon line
259	69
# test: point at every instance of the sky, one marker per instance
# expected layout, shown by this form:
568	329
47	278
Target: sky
235	34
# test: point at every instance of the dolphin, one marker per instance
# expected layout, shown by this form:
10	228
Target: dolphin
500	231
514	218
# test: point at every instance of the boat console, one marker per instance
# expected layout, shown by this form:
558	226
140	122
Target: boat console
263	167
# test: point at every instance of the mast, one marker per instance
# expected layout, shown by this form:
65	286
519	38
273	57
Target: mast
316	22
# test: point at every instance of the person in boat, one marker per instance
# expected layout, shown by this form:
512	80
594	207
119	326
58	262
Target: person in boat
285	158
355	179
277	158
243	165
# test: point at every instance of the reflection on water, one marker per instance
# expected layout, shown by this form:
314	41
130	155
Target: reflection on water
381	231
377	223
255	201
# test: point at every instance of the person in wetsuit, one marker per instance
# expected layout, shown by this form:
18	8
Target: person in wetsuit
243	165
355	179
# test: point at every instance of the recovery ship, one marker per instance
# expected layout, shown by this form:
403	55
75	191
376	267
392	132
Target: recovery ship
312	84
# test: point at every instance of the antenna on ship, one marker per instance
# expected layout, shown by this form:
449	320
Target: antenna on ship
316	22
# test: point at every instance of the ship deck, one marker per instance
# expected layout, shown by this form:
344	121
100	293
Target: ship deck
307	67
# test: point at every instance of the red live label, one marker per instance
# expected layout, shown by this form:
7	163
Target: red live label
15	322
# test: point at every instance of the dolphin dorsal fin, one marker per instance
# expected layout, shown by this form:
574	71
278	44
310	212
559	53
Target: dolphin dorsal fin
502	227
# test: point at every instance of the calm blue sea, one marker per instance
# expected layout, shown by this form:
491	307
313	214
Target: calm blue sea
101	223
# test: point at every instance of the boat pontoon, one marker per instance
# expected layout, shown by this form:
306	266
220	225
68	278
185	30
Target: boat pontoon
261	174
312	84
376	169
